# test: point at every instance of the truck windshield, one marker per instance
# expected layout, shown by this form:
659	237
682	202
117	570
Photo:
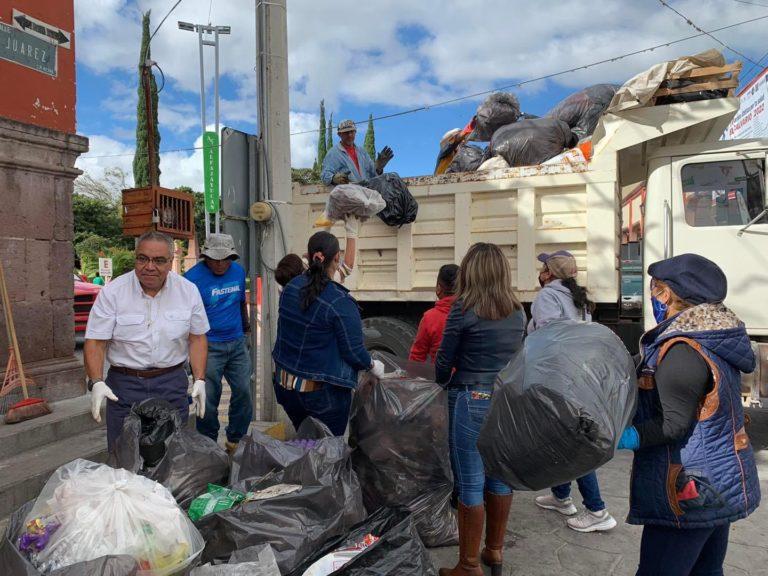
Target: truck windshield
724	193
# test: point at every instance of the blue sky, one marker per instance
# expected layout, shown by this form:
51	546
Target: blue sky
372	59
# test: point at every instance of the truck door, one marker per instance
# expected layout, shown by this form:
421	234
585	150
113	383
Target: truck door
714	199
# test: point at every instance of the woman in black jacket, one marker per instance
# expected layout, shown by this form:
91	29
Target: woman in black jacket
484	329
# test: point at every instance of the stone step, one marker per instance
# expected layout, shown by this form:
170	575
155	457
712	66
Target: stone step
23	475
69	418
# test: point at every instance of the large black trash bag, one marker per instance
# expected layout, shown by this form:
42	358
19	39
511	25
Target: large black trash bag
467	159
582	110
14	563
156	444
294	524
399	436
499	109
560	406
531	142
402	207
398	552
330	460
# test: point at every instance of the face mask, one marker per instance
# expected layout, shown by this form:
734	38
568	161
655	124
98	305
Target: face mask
659	310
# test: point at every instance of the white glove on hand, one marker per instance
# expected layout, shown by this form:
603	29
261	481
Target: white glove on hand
377	369
198	396
100	391
351	225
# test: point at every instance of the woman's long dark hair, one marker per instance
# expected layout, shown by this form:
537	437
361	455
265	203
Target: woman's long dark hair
579	295
322	248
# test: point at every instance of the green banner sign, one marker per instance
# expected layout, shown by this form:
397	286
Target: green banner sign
211	171
27	50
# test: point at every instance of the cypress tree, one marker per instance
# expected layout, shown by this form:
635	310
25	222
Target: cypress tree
141	157
370	139
321	149
329	135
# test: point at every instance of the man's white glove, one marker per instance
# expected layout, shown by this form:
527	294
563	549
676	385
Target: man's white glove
198	396
377	369
351	225
100	391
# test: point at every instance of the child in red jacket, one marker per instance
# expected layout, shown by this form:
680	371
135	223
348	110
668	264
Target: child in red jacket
431	327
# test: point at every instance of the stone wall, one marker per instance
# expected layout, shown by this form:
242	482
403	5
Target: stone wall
36	231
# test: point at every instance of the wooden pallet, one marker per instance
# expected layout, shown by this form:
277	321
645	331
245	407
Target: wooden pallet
707	78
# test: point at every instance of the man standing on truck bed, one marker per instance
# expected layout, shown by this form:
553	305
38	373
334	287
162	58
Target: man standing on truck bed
346	162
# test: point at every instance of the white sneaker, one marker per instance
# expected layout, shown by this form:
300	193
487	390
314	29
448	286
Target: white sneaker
592	521
551	502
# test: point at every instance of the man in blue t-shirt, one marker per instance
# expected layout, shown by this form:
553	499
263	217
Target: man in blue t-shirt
221	282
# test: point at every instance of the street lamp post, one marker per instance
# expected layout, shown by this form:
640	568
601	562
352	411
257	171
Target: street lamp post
203	41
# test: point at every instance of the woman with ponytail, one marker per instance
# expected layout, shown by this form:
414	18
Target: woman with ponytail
561	297
319	348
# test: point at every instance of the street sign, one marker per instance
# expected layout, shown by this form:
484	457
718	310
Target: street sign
27	50
40	29
211	171
105	267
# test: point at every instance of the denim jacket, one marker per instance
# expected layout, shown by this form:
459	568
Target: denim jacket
477	348
337	160
323	343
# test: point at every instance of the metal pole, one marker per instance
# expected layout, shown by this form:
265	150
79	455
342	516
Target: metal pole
202	112
216	102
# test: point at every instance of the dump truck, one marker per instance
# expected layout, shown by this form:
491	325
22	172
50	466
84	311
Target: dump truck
702	195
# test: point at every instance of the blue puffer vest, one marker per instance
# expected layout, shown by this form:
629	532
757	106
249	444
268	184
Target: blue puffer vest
715	457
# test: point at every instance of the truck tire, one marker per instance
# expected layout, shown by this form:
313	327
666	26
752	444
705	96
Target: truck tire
387	334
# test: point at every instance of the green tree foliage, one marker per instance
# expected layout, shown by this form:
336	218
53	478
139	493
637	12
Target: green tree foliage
329	135
96	207
321	148
370	139
141	157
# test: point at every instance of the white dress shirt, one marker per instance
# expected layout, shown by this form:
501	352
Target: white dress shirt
146	332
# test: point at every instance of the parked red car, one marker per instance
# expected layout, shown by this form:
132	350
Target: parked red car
85	296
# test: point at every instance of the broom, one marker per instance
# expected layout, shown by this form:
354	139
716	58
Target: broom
27	408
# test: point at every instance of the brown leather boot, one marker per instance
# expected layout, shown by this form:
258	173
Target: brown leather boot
497	514
471	519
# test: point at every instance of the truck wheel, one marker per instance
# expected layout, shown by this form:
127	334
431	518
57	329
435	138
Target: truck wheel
389	335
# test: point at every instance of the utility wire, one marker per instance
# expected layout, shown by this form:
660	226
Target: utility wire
547	76
755	65
751	3
695	27
163	20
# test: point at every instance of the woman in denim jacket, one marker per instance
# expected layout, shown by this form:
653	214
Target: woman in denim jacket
319	348
484	329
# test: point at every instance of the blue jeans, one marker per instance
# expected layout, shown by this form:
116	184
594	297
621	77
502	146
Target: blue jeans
231	360
683	551
330	405
590	492
467	410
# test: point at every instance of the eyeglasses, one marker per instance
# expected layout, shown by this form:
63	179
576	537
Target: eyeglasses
143	260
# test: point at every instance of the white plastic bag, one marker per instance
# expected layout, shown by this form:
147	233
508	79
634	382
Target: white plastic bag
103	511
353	199
495	163
572	156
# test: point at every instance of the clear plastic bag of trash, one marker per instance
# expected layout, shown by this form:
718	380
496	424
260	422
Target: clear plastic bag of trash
531	142
560	406
259	561
399	436
467	159
91	511
583	109
385	544
353	199
155	443
499	109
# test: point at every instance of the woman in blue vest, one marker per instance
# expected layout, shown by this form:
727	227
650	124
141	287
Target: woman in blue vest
693	472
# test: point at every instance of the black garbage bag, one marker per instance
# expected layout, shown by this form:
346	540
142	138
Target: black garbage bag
155	443
402	207
14	563
689	96
531	142
294	524
560	406
467	159
499	109
582	110
329	459
399	436
397	552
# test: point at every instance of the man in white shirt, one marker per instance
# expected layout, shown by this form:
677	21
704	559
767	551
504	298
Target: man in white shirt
147	323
